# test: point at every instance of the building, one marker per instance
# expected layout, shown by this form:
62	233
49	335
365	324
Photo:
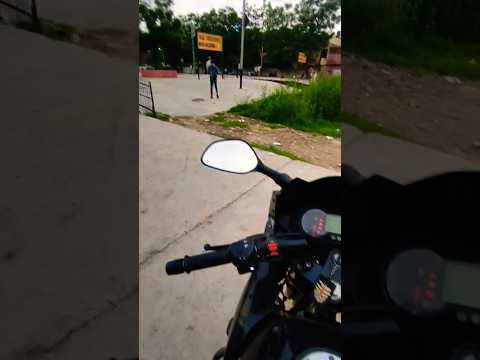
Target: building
331	59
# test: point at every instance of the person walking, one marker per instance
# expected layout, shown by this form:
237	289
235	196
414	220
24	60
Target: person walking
198	69
213	71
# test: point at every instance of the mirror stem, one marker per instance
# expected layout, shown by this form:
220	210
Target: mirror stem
280	179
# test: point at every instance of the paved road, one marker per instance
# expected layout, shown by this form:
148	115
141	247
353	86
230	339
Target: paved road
184	205
188	96
47	96
395	159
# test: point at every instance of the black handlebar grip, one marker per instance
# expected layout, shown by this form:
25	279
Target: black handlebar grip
196	262
209	259
175	267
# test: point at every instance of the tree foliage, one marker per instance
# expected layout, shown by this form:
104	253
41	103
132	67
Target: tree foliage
281	31
424	35
452	19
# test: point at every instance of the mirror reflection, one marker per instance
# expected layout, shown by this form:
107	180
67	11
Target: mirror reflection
234	156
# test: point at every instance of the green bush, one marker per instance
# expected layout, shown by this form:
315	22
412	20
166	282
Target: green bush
313	108
438	37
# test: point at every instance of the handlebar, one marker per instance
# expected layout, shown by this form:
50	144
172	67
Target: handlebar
243	254
190	263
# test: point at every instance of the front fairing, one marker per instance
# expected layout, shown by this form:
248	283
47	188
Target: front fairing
257	310
283	337
256	304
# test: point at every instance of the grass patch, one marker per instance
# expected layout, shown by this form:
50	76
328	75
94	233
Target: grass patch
421	55
51	29
313	108
366	126
158	115
218	118
233	124
276	150
274	126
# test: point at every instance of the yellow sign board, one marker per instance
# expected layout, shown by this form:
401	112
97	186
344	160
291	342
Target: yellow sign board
302	58
209	41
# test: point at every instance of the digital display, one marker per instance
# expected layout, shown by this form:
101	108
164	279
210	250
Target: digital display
317	223
461	284
334	224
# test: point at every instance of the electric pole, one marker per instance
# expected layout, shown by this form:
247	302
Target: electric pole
263	36
194	64
242	44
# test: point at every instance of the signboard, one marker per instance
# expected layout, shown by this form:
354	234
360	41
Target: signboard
210	42
302	58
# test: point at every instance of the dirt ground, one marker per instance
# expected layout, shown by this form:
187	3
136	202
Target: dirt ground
315	149
436	111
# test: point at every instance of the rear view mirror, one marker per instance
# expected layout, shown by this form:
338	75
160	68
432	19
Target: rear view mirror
234	156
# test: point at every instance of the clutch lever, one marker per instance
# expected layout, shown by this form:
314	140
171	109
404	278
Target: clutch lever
256	237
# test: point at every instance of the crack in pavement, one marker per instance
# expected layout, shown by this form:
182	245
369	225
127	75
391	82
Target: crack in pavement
153	253
39	350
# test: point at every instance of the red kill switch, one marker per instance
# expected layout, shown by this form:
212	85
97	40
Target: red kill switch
272	248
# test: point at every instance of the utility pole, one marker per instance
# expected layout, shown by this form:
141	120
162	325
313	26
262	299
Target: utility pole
194	64
263	35
242	44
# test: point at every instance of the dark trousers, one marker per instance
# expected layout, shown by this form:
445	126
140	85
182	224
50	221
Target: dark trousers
213	81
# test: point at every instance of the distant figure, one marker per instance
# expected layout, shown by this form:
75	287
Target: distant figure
213	71
198	69
207	64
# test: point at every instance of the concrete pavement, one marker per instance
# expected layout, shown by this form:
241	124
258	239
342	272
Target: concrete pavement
184	205
188	96
401	161
56	207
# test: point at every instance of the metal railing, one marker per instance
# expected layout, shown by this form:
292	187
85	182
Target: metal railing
17	10
146	102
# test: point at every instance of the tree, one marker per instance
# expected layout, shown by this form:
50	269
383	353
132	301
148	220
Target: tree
315	17
282	31
277	18
164	34
303	28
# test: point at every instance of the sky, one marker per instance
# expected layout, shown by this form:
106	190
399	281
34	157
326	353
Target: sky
184	7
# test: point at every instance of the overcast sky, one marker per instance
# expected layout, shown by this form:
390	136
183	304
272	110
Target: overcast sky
184	7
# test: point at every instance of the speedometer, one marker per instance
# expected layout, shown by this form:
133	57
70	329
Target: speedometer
314	223
317	223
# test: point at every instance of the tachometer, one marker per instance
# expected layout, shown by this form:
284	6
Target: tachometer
314	223
317	223
415	279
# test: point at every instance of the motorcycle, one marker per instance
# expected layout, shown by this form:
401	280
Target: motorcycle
290	307
411	268
411	272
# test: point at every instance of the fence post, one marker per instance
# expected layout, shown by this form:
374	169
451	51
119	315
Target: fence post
34	10
151	95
